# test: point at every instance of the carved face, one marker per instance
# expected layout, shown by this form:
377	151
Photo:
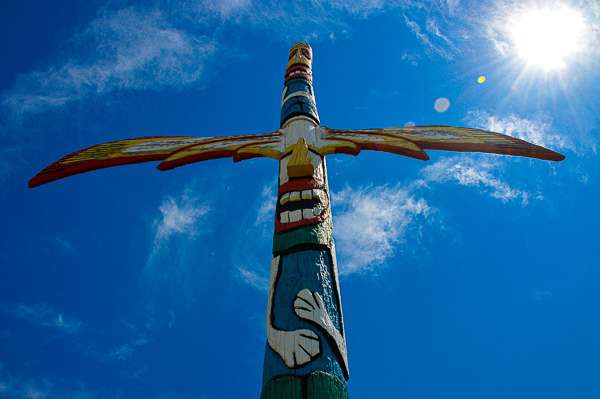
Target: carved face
300	53
300	63
302	198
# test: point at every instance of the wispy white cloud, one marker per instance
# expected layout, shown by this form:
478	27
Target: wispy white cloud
124	49
43	315
179	216
426	39
266	209
173	271
254	279
225	8
474	171
360	7
248	257
370	222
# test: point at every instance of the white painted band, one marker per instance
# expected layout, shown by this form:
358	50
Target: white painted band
299	93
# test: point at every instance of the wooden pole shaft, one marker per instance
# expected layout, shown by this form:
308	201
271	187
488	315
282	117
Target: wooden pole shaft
305	355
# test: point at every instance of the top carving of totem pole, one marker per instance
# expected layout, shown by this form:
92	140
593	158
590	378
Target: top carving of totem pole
305	354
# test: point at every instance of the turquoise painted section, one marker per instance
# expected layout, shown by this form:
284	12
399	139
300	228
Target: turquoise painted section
312	269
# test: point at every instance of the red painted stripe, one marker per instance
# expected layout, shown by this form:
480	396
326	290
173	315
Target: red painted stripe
299	185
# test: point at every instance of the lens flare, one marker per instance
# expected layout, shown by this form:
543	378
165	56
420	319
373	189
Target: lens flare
441	104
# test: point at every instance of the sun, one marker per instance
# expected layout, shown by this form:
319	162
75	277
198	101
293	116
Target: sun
547	37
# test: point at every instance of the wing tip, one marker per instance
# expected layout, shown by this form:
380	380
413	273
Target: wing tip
41	179
545	154
34	182
163	166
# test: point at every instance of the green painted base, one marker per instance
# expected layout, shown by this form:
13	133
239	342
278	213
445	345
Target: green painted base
313	386
319	234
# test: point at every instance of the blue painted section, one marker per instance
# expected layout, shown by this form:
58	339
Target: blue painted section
310	269
296	85
303	104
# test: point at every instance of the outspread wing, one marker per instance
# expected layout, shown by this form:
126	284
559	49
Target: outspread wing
352	141
448	138
238	147
146	149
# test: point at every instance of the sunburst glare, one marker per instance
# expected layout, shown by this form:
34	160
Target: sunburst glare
547	37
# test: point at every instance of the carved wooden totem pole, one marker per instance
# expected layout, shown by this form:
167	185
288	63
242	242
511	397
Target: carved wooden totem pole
305	355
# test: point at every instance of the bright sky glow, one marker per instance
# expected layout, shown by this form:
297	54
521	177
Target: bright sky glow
548	37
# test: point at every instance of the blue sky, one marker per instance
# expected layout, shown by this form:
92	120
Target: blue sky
465	276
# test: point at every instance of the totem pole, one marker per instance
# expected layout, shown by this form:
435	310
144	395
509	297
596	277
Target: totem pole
305	354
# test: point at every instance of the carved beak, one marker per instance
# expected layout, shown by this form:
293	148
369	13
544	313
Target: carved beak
300	164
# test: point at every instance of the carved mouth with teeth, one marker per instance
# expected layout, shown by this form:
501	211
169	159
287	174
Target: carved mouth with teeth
300	207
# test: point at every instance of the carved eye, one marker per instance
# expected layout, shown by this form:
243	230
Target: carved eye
306	53
292	54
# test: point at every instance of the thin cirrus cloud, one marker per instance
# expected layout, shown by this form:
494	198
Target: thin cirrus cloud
253	278
445	49
251	256
171	270
477	172
42	315
179	216
119	50
371	222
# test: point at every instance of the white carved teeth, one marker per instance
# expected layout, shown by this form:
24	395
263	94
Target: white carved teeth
302	214
296	216
299	214
302	195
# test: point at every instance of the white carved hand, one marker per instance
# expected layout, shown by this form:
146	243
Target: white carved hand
310	306
296	348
